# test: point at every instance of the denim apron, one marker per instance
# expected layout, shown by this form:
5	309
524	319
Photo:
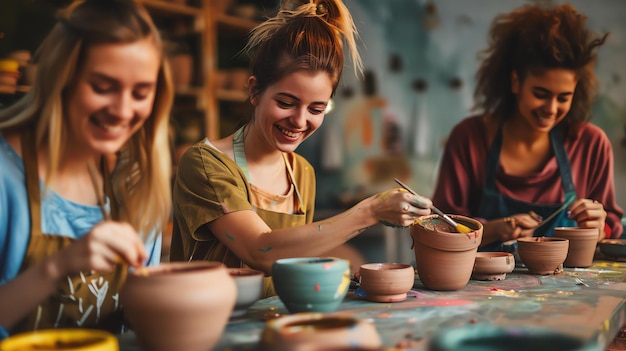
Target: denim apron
495	205
87	299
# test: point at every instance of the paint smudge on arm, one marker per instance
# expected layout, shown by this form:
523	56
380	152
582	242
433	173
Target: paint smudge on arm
267	249
230	237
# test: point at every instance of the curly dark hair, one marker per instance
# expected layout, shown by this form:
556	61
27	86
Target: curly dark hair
533	38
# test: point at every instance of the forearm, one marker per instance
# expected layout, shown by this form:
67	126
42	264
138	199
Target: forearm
21	295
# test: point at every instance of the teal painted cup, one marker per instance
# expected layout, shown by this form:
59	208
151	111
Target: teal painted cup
311	284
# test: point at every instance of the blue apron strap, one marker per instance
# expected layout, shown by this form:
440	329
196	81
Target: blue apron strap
493	160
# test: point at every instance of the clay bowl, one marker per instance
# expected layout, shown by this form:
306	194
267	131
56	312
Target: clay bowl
249	283
486	337
311	284
317	332
542	255
613	248
386	282
582	245
492	265
444	258
61	339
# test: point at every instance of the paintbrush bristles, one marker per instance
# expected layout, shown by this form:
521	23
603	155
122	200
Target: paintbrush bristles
93	172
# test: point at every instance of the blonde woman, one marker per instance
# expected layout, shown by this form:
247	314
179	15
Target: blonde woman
102	95
248	199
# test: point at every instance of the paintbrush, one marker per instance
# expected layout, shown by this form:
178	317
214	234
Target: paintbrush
458	226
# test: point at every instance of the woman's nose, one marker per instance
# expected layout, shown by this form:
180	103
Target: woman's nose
551	106
122	107
299	118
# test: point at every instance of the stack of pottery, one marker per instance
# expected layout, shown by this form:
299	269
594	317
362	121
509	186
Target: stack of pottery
386	282
444	257
582	245
179	305
542	255
62	340
319	332
311	284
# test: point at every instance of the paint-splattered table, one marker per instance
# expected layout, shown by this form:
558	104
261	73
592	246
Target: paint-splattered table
586	303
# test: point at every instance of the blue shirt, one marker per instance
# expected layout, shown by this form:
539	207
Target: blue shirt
59	216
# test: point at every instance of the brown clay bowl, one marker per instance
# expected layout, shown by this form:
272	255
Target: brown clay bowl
582	245
542	255
386	282
492	265
308	331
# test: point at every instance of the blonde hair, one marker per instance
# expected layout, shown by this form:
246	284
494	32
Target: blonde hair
141	179
303	35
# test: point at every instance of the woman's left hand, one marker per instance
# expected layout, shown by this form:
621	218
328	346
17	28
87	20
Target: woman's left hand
589	214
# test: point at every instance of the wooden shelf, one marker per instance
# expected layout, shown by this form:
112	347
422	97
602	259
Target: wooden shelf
236	25
165	7
231	95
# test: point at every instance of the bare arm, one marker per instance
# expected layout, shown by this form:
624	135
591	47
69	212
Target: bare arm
247	235
107	244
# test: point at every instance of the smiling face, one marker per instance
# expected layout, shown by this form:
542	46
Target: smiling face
112	95
290	110
543	100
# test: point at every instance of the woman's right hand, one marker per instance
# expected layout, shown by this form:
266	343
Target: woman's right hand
107	244
512	227
398	207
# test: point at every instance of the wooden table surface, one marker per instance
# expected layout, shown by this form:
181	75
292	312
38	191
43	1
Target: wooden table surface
587	303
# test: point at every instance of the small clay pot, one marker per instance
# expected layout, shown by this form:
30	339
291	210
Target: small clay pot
542	255
445	259
311	284
317	332
386	282
61	339
492	265
582	245
249	284
179	305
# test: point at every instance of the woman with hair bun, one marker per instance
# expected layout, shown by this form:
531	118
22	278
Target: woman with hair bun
248	199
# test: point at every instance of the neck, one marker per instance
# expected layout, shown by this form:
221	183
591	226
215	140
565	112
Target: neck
517	131
258	151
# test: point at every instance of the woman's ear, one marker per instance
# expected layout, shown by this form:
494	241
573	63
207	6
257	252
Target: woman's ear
515	84
253	89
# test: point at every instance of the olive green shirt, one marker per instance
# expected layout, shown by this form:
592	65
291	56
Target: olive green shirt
208	185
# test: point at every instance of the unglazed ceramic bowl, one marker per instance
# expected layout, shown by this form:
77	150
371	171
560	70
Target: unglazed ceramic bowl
249	284
311	284
613	248
61	339
386	282
493	265
582	245
444	258
542	255
317	332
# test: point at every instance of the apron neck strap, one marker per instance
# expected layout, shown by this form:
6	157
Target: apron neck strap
31	173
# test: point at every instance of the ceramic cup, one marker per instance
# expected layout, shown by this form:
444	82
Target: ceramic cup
311	284
386	282
445	259
492	265
61	339
249	284
582	245
317	332
542	255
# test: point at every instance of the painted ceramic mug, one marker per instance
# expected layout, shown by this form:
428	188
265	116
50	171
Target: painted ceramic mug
311	284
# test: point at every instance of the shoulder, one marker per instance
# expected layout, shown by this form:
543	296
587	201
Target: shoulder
591	136
203	157
470	131
302	163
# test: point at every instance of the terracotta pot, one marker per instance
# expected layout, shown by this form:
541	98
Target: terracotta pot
445	259
249	284
386	282
317	332
178	305
542	255
182	70
311	284
61	339
492	265
582	245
